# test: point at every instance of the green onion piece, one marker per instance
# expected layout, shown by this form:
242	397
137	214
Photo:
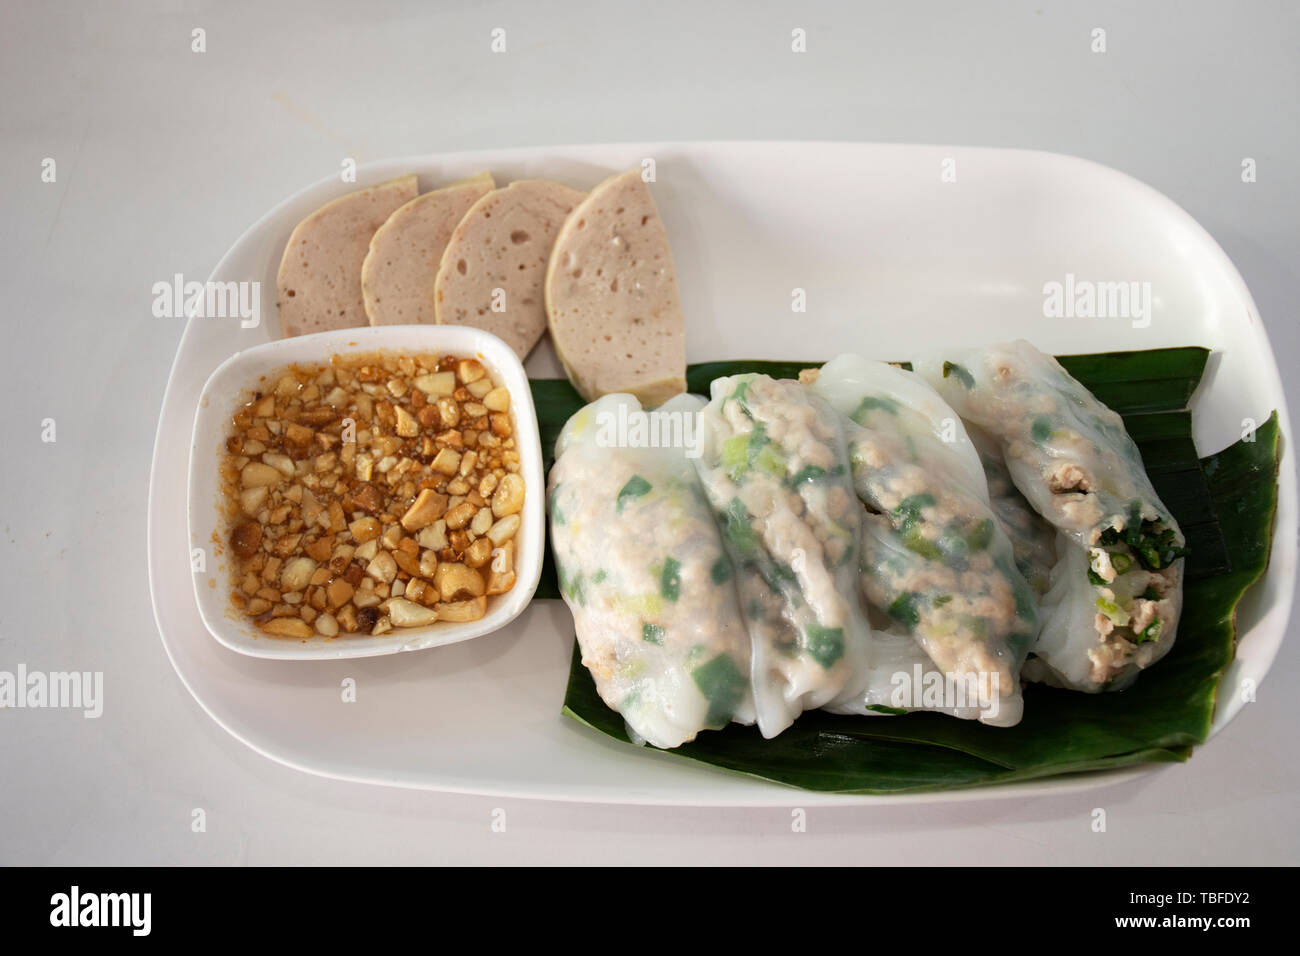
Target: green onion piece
909	510
1150	633
981	536
808	473
768	459
670	581
735	455
1041	430
825	644
891	711
735	523
871	403
917	543
574	588
723	686
1113	611
903	610
636	487
959	373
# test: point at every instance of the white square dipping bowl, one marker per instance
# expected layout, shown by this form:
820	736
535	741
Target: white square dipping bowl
242	373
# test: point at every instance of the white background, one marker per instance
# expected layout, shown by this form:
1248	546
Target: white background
165	156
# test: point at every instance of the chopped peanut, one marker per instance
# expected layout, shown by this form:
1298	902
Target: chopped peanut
364	529
252	499
297	573
437	384
503	530
407	426
457	581
339	592
460	515
406	563
256	473
508	499
482	521
428	564
478	553
371	493
447	461
429	506
319	550
501	574
382	567
460	611
287	627
469	370
433	537
449	412
404	613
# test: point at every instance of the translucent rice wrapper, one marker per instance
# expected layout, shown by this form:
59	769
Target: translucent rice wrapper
1116	589
642	567
935	558
775	469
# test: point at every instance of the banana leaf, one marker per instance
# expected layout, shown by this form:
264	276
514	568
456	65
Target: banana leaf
1225	504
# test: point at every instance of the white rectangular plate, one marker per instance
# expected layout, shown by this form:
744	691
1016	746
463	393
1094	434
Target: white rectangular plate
892	256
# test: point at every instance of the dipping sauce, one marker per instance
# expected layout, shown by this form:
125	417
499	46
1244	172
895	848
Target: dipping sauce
374	492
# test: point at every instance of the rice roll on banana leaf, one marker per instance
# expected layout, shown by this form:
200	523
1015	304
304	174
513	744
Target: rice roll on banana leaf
1116	588
934	557
642	566
775	469
1032	539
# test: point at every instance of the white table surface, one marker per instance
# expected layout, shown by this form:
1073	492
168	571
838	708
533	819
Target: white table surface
164	156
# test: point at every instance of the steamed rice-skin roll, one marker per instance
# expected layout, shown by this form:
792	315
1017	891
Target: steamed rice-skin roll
934	557
775	469
1116	589
642	566
1032	539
